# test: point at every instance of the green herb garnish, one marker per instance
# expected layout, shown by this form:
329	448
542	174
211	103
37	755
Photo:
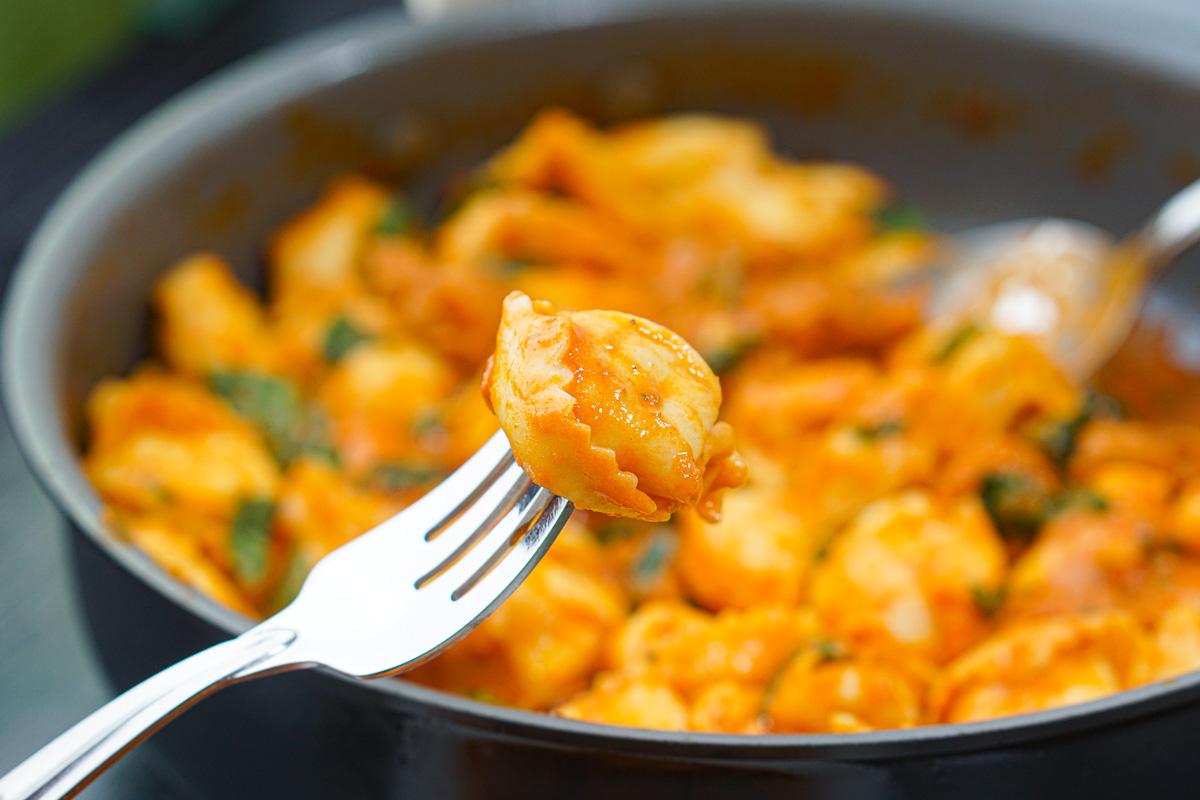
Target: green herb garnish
830	650
341	337
399	477
298	567
988	600
656	556
899	217
483	696
428	423
273	405
312	438
400	218
822	552
1078	499
723	281
955	342
725	357
1057	438
882	430
615	529
250	539
1017	506
506	268
1102	406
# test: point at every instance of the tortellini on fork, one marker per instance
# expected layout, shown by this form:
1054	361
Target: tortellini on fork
611	411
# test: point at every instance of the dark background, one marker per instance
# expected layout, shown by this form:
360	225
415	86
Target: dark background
48	678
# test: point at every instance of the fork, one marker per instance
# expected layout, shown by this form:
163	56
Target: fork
383	603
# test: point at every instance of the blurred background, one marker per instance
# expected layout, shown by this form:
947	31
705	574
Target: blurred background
74	73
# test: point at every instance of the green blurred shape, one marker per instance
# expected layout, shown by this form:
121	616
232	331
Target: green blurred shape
45	44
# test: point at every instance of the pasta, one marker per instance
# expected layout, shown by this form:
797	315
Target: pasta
937	525
612	411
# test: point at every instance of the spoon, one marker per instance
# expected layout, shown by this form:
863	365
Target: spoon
1066	285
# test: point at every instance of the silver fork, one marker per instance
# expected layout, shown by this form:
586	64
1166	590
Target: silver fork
383	603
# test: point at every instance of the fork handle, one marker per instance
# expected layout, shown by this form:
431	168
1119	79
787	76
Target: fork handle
63	767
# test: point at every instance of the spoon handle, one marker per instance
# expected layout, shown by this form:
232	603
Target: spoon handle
1174	229
67	764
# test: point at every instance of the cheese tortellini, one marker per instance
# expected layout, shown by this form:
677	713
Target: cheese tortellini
612	411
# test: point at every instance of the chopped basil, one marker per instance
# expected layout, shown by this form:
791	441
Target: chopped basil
398	477
400	218
1019	508
274	406
1102	406
1016	505
483	696
723	281
428	423
955	342
271	403
822	552
310	437
988	599
882	430
725	357
899	217
830	650
508	267
250	539
615	529
656	556
298	567
341	337
1057	438
1079	499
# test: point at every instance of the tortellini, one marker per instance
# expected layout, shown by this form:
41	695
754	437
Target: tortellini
612	411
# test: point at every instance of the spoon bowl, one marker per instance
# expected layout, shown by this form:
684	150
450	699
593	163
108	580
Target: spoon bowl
1067	285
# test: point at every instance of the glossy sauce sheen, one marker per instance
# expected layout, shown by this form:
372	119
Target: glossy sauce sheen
619	387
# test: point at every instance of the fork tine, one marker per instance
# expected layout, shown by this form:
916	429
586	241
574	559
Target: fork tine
464	487
456	539
441	505
496	541
486	592
505	536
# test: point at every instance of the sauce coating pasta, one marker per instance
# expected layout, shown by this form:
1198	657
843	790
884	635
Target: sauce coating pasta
614	412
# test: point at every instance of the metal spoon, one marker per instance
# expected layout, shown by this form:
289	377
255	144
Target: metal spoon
1067	285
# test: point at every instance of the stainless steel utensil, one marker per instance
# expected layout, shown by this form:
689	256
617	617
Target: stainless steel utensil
383	603
1063	283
